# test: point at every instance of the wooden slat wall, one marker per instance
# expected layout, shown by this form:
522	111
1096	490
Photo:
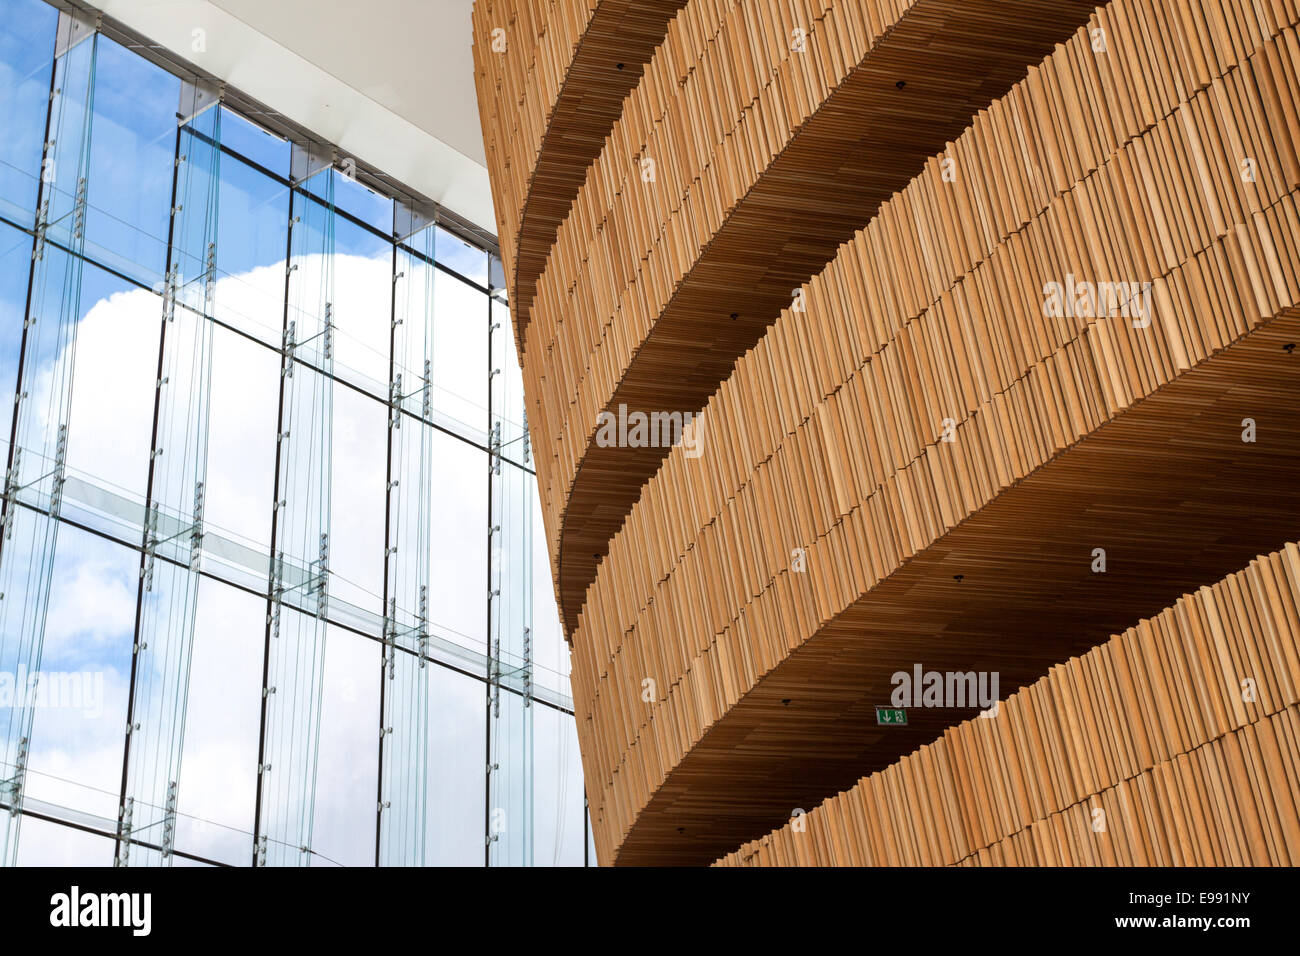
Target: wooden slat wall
979	334
1153	728
765	160
546	102
1161	487
679	69
685	500
516	93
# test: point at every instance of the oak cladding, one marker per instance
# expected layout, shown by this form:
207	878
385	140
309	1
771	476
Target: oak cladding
1175	743
898	418
550	79
739	163
988	310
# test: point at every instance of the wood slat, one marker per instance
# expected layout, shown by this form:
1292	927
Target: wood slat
845	460
551	78
1225	792
917	464
764	159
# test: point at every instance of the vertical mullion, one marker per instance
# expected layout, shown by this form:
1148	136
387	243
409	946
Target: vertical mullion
148	497
10	853
492	662
285	358
388	519
5	504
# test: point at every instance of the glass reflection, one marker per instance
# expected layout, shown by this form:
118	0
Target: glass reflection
278	712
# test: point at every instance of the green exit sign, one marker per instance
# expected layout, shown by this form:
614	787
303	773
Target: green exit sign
893	716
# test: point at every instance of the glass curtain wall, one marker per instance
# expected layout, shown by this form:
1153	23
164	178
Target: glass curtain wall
273	583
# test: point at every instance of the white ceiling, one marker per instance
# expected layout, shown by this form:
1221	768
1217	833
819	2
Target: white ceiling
391	81
410	56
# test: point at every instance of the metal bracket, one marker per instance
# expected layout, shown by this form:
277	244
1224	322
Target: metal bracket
197	96
74	26
410	217
308	159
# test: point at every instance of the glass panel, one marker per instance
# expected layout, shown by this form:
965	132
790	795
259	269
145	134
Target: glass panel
357	501
37	467
252	239
405	737
508	390
460	358
185	861
306	432
254	143
351	197
456	763
347	773
300	574
510	814
241	441
551	652
513	552
363	284
406	579
510	725
116	355
51	844
75	763
15	264
413	334
458	255
176	511
27	31
458	546
287	768
259	449
558	799
131	163
219	780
